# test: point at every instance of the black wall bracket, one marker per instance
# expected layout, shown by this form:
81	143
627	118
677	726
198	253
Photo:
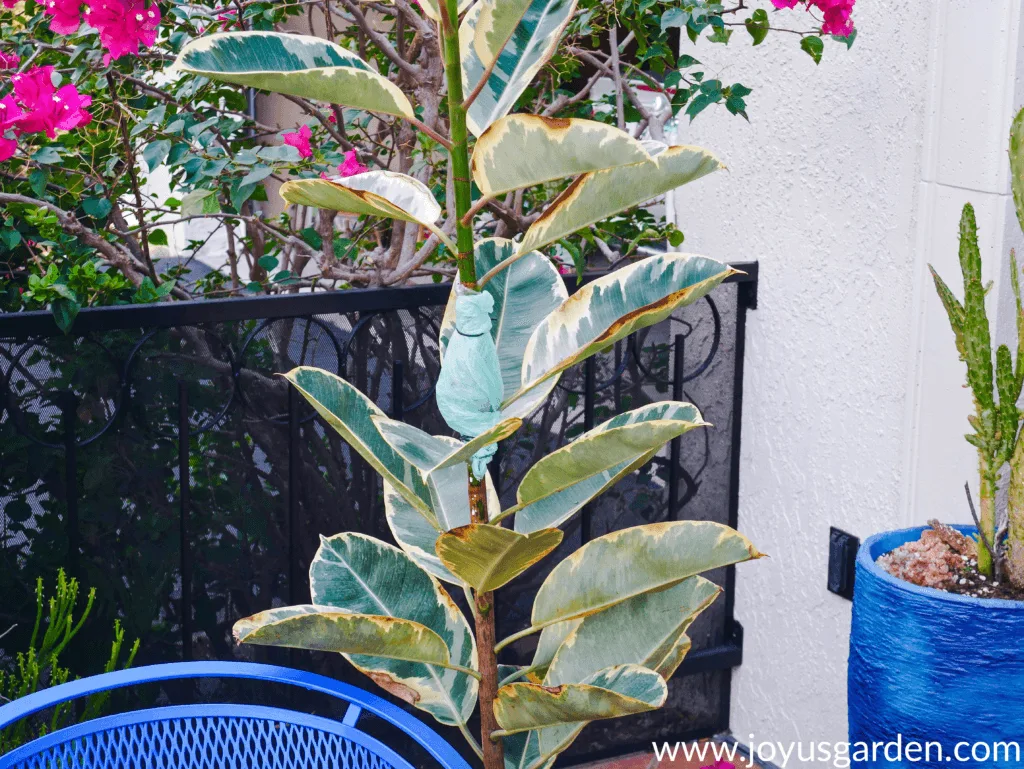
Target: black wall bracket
842	562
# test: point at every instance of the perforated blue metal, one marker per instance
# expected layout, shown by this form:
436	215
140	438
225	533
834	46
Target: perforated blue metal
218	736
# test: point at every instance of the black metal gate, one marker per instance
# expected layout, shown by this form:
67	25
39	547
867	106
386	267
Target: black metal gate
100	428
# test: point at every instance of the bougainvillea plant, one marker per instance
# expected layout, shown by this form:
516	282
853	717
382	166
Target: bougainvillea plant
140	185
610	620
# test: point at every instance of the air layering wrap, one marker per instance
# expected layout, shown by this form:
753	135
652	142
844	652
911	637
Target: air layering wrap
469	389
931	666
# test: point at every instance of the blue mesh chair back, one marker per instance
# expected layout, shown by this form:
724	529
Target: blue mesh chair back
218	736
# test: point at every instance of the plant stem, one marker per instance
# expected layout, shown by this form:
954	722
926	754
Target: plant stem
987	518
516	636
483	618
483	603
459	155
1015	517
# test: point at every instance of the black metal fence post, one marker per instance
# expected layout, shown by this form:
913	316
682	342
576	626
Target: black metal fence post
69	419
294	466
185	502
397	387
675	447
746	299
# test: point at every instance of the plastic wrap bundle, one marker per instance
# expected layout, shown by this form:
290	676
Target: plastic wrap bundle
469	389
930	666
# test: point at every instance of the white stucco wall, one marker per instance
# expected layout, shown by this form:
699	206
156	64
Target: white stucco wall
846	183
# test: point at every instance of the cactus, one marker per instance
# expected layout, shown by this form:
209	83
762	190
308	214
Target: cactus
996	386
1015	497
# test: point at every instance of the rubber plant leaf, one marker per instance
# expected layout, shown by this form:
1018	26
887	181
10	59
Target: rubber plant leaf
320	629
524	294
296	65
550	640
361	575
618	691
417	534
504	45
611	308
562	482
373	193
634	561
648	630
487	557
446	481
502	430
599	194
351	413
523	150
431	11
643	630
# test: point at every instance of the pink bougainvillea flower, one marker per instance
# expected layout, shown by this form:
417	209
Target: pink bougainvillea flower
836	16
65	15
10	3
351	166
230	15
9	60
10	113
7	149
123	25
300	141
43	108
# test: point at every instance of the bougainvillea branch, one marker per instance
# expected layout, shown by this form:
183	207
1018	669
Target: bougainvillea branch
137	155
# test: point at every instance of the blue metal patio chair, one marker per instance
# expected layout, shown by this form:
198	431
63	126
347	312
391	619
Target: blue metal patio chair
218	736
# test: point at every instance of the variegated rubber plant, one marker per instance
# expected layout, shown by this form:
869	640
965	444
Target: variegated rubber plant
611	619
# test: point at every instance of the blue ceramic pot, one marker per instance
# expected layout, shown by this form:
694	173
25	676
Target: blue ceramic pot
929	666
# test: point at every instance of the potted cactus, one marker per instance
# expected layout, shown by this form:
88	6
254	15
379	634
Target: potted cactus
611	619
935	651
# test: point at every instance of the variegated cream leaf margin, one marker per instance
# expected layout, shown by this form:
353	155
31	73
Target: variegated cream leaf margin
600	194
417	534
551	639
562	482
361	575
634	561
297	65
523	150
351	413
373	193
502	430
319	628
642	630
504	44
611	308
648	630
487	557
416	446
431	453
617	691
